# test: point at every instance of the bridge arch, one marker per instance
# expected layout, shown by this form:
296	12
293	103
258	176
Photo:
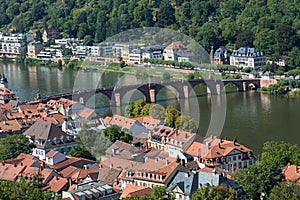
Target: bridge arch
254	84
120	93
200	86
175	89
238	85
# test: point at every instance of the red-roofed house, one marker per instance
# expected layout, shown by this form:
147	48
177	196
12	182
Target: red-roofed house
49	33
177	51
228	155
292	173
151	178
132	190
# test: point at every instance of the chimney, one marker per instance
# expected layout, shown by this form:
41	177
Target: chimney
167	163
234	141
111	166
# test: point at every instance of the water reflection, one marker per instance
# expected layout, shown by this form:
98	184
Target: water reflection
251	117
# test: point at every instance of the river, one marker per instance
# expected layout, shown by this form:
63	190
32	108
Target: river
251	117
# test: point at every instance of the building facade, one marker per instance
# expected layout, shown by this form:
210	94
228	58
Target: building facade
247	57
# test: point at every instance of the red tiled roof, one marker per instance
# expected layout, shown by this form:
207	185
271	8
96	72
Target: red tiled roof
51	153
292	172
57	184
10	125
119	163
10	172
136	191
86	113
197	149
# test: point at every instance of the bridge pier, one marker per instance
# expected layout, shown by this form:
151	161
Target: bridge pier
218	89
186	91
245	88
118	99
152	96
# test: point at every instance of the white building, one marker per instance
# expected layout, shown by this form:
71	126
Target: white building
153	52
46	137
247	57
135	56
11	45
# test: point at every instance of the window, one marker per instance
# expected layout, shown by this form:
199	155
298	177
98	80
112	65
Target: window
234	158
239	157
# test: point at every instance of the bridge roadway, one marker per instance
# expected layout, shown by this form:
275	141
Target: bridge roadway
150	90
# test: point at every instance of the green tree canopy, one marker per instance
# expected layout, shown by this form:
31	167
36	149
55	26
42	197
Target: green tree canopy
81	152
12	146
215	193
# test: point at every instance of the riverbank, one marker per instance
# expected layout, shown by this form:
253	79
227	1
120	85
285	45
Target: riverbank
143	70
288	88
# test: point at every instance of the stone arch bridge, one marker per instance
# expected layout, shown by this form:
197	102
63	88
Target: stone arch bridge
150	90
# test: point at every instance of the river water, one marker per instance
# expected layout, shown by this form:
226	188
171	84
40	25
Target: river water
251	117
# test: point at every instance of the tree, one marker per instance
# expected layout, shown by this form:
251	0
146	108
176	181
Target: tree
244	39
285	190
12	146
281	153
165	15
171	115
24	190
265	41
186	123
134	108
157	112
215	193
88	40
285	37
258	178
114	133
81	152
94	142
146	109
294	58
160	192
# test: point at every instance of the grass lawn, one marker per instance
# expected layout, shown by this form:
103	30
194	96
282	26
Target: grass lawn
153	71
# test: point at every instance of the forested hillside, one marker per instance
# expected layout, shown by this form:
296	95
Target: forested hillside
272	26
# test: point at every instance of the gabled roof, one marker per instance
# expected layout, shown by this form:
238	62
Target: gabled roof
186	181
72	161
108	175
45	134
223	148
247	52
86	113
51	31
132	190
10	172
57	184
74	173
119	163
